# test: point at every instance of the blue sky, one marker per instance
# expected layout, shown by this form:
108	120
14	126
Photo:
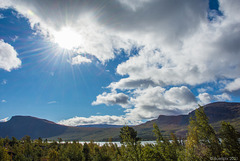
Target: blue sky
116	62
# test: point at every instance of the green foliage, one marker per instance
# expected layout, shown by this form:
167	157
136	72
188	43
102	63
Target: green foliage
128	135
131	146
202	142
230	143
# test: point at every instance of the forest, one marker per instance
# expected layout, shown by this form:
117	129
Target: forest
201	143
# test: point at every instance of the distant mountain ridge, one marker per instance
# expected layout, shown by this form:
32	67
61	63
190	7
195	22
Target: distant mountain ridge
19	126
216	112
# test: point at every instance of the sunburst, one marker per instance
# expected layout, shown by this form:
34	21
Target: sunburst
68	38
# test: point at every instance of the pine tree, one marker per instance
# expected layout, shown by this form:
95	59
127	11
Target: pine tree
131	146
202	142
166	149
229	140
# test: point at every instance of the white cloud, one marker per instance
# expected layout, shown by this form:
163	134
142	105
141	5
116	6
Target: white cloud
79	59
8	57
4	101
134	4
15	38
222	97
153	101
112	99
106	119
205	98
233	86
2	16
4	82
4	120
52	102
102	33
203	90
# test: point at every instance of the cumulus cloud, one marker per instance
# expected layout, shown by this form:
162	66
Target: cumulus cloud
233	86
153	101
112	99
79	59
129	83
205	98
8	57
106	119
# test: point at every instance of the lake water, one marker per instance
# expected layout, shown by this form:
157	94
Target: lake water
101	143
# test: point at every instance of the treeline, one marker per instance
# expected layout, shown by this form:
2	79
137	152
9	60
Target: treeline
202	143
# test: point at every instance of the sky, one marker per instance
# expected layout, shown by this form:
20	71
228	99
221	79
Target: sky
78	62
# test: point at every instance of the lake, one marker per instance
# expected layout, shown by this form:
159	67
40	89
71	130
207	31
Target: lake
101	143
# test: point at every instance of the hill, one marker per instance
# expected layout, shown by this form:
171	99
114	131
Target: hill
216	112
19	126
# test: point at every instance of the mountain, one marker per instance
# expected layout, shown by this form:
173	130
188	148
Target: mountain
216	112
19	126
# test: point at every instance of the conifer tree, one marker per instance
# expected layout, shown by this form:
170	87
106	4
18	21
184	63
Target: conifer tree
202	142
229	140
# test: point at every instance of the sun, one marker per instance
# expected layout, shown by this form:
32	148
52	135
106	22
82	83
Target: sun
68	38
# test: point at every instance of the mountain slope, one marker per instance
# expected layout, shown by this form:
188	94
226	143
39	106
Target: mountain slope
20	126
216	112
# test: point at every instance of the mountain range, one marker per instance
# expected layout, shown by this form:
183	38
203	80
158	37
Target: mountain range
19	126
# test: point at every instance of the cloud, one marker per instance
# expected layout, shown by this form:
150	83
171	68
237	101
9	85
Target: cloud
79	59
233	86
206	98
151	102
4	101
112	99
114	23
2	16
4	82
129	83
52	102
8	57
202	90
106	119
4	120
180	47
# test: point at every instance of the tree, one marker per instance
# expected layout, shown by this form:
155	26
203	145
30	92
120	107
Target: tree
131	146
229	140
164	147
53	155
128	135
86	152
202	142
60	140
3	154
